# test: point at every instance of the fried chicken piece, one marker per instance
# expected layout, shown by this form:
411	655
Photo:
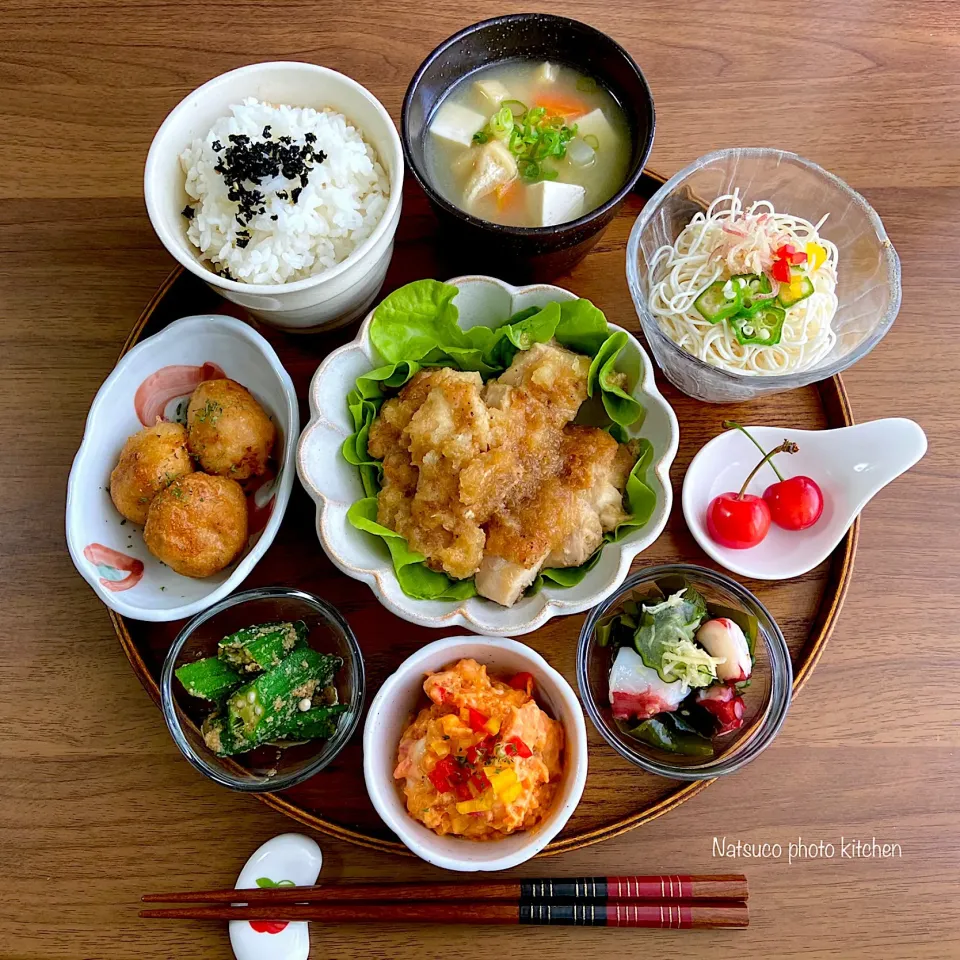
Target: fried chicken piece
551	374
562	523
494	480
528	404
425	435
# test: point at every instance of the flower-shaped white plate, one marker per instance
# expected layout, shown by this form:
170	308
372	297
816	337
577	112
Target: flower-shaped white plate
334	484
155	379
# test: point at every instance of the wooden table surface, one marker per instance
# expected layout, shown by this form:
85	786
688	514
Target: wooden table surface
98	807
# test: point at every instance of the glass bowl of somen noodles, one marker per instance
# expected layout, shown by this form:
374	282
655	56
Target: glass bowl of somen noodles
755	271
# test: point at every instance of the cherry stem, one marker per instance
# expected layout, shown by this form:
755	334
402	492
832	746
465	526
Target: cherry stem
788	446
733	425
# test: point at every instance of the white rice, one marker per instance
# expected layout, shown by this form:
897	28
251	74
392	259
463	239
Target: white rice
345	197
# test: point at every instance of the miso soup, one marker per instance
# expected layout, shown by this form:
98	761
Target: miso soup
528	144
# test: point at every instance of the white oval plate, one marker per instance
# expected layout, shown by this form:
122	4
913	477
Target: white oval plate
107	550
334	484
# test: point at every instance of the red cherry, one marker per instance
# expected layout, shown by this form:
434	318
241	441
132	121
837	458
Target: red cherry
738	521
795	504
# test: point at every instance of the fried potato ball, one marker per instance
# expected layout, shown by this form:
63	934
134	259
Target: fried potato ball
230	434
150	460
197	525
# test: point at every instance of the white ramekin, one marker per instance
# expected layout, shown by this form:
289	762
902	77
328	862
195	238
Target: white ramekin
391	711
331	298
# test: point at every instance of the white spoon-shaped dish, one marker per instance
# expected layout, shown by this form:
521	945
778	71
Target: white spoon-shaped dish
850	464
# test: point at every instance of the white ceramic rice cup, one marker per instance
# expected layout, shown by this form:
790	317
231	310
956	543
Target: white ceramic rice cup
339	294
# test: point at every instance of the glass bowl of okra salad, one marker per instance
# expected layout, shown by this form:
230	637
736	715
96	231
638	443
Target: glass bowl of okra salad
263	690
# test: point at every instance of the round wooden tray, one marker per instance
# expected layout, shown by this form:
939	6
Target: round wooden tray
618	796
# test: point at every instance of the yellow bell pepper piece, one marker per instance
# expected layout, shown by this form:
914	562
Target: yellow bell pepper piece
479	805
452	726
440	747
500	780
492	726
511	793
816	255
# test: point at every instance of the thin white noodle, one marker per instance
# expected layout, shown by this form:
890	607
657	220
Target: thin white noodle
683	270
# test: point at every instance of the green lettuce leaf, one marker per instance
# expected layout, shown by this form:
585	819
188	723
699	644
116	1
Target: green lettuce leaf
416	319
665	639
416	579
622	408
582	327
521	332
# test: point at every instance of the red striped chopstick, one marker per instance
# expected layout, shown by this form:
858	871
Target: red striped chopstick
669	887
650	914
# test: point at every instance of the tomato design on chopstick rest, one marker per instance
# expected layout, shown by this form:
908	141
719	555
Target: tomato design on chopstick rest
271	926
287	860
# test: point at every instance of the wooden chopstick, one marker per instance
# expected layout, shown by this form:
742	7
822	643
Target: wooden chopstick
664	888
650	914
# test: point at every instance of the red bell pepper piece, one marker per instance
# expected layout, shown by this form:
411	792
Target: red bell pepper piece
479	780
441	773
476	720
781	271
516	746
791	254
480	751
462	791
523	681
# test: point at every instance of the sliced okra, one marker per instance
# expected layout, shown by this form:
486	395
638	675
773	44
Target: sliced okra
317	723
259	709
262	647
217	735
210	678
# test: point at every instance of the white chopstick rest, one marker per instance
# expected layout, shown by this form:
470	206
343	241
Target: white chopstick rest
288	857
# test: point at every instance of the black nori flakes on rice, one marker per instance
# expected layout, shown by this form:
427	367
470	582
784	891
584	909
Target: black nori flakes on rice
246	162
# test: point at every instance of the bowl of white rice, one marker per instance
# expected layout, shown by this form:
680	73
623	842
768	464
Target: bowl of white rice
280	184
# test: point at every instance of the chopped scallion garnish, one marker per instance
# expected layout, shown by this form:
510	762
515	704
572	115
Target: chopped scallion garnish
531	135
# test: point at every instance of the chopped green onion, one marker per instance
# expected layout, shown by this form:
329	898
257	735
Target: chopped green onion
586	84
531	136
591	141
528	169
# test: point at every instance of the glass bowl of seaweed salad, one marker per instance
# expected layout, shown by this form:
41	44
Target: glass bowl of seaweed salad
684	672
264	689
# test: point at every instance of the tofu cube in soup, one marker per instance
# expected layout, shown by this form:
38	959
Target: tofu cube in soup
595	123
455	123
492	90
494	166
549	202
